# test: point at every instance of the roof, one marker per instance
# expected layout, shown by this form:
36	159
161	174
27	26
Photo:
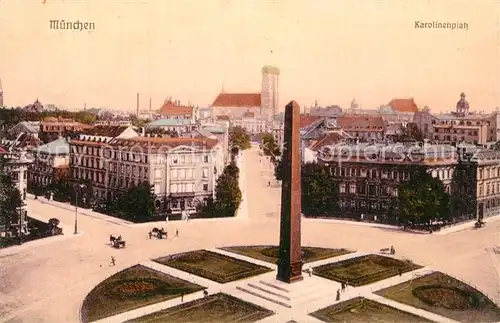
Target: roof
170	108
222	117
106	131
237	100
361	123
57	147
328	139
31	126
307	120
162	144
214	129
2	150
169	123
403	105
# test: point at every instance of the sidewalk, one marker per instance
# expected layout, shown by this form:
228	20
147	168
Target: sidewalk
83	211
469	225
242	212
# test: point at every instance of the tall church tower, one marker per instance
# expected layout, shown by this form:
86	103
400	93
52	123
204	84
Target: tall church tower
462	105
1	94
269	96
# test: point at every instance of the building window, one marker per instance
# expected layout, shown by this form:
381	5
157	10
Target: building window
205	172
205	159
173	188
342	188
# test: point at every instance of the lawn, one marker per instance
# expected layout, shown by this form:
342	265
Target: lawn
213	266
217	308
270	253
446	296
132	288
364	270
360	309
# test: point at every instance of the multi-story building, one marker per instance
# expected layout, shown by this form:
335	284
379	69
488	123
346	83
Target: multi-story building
182	171
263	105
50	163
368	176
53	128
27	127
17	165
179	126
174	110
486	182
252	124
364	128
460	126
113	123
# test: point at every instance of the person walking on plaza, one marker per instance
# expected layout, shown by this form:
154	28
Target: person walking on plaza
113	261
338	295
176	233
150	234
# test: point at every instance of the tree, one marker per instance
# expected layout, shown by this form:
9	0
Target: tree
496	146
238	137
422	199
137	203
319	191
463	190
85	117
269	146
227	195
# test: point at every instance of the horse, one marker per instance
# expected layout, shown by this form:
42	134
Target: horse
113	239
158	232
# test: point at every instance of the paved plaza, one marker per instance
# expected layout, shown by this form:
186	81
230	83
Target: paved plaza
47	280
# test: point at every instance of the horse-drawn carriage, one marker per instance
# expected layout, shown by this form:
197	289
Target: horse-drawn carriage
479	224
160	233
117	242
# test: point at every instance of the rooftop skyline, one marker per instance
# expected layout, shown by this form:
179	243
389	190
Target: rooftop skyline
327	51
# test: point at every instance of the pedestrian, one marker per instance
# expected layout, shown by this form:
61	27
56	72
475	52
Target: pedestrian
345	284
150	235
166	235
400	272
182	296
177	232
342	287
309	270
113	261
269	183
338	295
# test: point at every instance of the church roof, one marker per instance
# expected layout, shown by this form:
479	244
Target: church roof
403	105
240	100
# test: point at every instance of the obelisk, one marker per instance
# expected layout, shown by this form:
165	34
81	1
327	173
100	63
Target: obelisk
290	260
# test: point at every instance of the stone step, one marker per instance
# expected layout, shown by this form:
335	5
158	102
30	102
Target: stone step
266	297
266	290
275	286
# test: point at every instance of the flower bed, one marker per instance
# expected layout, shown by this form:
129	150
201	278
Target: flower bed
365	269
445	296
213	266
132	288
270	253
215	308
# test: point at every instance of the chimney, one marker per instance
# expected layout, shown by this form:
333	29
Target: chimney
137	104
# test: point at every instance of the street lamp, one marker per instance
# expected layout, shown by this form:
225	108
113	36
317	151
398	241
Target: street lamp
79	186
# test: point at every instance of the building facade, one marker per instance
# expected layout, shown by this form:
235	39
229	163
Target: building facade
50	163
182	171
368	176
52	128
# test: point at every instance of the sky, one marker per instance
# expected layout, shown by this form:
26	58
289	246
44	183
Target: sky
327	50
